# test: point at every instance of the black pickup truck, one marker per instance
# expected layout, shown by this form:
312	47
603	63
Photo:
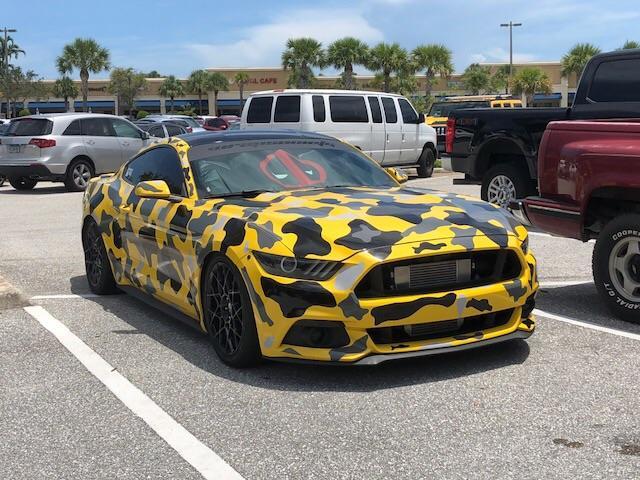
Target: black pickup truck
499	147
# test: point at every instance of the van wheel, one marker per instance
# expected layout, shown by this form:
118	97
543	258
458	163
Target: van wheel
504	183
426	163
22	183
78	175
616	266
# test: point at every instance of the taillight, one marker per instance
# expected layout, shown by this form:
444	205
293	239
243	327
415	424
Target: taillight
43	142
451	132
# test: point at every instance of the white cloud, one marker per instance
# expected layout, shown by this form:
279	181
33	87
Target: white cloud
262	45
501	55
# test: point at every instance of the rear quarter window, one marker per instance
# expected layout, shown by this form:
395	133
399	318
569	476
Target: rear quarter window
30	127
616	81
348	108
260	110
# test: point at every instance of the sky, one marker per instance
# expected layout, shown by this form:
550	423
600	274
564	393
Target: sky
175	37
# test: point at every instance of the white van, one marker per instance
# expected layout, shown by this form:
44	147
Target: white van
383	125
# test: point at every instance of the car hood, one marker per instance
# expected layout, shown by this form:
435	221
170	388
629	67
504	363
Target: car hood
339	222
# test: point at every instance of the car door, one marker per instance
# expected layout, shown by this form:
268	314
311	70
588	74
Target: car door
410	133
101	143
129	136
393	132
156	227
378	140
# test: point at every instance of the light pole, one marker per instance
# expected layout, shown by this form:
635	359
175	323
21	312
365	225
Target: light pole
510	25
5	65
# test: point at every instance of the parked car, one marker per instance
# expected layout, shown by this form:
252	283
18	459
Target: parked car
183	120
66	147
384	126
589	181
266	242
499	147
161	130
215	124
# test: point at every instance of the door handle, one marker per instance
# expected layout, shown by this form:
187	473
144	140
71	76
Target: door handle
91	142
126	144
403	137
387	138
125	208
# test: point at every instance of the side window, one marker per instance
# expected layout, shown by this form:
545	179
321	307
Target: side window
390	113
123	129
319	113
160	163
157	131
287	108
260	110
74	128
409	115
348	108
616	81
376	113
174	130
97	127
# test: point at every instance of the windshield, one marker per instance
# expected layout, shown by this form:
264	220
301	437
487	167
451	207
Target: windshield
443	109
277	165
29	127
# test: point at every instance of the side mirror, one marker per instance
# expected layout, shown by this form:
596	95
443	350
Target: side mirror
153	189
398	174
421	118
144	135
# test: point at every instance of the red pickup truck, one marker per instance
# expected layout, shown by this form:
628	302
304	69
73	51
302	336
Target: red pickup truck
589	184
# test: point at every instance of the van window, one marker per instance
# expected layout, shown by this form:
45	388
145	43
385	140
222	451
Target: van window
287	108
376	113
390	113
409	115
260	110
348	108
616	81
319	114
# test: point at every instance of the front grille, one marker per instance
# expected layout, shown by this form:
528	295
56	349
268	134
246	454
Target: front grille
438	273
432	330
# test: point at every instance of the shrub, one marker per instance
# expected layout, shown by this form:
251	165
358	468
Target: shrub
24	112
141	114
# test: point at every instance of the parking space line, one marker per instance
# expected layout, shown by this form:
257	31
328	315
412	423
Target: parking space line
65	296
197	454
592	326
563	283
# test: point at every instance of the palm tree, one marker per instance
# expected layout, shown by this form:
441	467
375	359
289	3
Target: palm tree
345	53
476	78
87	56
387	59
12	50
171	88
241	79
576	59
500	79
530	81
435	60
217	82
630	44
65	88
198	83
300	56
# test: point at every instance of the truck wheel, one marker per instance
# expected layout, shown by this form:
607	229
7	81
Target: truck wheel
22	183
503	183
426	163
616	266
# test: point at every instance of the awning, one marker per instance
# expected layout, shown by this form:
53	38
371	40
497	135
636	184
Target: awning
96	104
182	103
539	97
229	102
147	103
41	105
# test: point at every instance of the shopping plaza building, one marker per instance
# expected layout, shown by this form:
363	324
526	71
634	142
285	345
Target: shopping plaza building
150	100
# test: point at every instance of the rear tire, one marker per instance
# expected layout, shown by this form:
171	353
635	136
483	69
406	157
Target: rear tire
97	266
78	175
228	314
426	163
504	183
22	183
616	266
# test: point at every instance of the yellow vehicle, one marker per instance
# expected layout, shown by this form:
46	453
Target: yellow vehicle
439	112
266	242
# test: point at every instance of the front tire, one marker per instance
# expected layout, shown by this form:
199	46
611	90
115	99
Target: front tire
504	183
426	163
97	266
22	183
228	314
616	266
78	175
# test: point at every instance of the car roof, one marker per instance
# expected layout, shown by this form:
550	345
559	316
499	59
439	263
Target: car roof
311	91
51	116
204	138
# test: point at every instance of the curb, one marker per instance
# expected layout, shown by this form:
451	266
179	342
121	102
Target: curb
10	297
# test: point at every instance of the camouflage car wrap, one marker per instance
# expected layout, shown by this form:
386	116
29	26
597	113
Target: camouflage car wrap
160	246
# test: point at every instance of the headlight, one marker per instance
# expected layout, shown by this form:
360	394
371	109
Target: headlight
303	268
525	245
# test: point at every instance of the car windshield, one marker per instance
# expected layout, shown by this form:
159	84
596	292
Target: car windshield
275	165
29	127
443	109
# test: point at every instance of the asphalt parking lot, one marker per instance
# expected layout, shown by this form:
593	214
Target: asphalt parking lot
563	404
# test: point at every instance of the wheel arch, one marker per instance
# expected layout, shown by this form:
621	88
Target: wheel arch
82	156
501	150
606	203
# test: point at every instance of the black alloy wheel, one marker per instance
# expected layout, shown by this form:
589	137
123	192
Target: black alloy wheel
98	269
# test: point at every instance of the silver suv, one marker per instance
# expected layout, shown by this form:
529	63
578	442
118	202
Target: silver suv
67	147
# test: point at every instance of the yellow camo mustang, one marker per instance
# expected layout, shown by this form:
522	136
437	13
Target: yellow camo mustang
299	247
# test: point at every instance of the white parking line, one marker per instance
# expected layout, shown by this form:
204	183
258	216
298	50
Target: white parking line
197	454
64	297
563	283
592	326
